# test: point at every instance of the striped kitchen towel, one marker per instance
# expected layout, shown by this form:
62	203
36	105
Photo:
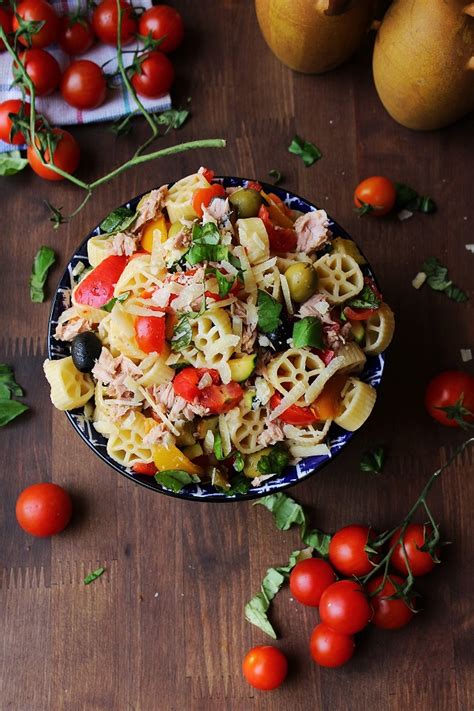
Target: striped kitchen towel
118	102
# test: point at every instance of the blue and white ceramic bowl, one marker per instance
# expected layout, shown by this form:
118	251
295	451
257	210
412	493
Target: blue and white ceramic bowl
337	437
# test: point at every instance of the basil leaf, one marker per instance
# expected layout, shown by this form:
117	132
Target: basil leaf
110	304
7	380
239	484
174	479
437	279
318	540
218	451
206	234
256	609
239	462
11	163
206	253
456	294
235	261
9	409
367	299
373	460
43	261
308	331
306	150
275	462
276	175
93	576
409	199
118	220
173	118
224	284
268	312
183	333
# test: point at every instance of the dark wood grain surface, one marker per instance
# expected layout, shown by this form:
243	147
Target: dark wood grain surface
163	628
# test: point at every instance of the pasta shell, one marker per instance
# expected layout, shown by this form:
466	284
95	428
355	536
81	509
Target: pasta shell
357	404
379	330
69	388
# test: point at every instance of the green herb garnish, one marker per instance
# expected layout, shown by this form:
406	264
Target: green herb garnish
409	199
275	462
239	462
437	279
8	384
93	576
11	163
308	331
43	261
239	484
173	118
276	175
218	449
175	479
373	460
120	299
366	299
268	312
118	220
224	284
183	333
9	409
306	150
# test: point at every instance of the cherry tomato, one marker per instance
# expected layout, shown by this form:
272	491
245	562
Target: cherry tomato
163	21
104	22
347	550
75	34
388	614
12	106
66	156
309	579
221	398
414	538
43	509
185	383
37	11
265	667
146	468
451	389
378	193
293	415
6	19
43	70
97	288
83	85
330	648
203	196
344	607
282	239
154	76
208	174
150	333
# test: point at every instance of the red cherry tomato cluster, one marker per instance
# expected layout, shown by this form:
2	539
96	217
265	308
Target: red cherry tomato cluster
83	83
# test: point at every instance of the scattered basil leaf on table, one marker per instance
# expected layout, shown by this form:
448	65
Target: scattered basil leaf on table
409	199
174	479
373	460
275	462
268	312
173	118
276	175
308	331
93	576
44	259
118	220
120	299
11	163
437	279
9	409
307	151
8	382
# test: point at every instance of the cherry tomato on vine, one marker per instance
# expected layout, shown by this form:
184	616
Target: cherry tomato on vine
344	607
163	21
37	11
265	667
414	538
6	19
83	85
66	156
309	579
75	34
153	76
104	22
388	614
454	390
43	509
12	106
330	648
347	550
377	193
43	70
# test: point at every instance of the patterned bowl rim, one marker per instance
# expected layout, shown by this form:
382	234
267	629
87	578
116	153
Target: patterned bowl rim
337	438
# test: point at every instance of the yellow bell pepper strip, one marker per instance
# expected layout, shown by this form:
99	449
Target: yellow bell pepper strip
167	458
156	229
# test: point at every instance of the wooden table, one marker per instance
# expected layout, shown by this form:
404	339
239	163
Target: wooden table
164	628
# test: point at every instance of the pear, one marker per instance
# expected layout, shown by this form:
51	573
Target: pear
313	36
424	62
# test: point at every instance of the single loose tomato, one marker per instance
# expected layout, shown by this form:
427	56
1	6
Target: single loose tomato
293	415
150	333
153	76
344	607
330	648
37	11
449	398
309	579
375	196
203	196
66	155
7	131
163	21
347	550
282	239
265	667
43	509
389	614
75	34
6	19
414	539
105	20
83	85
43	70
97	288
146	468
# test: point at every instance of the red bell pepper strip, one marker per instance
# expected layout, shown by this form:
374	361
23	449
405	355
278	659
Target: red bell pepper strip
97	288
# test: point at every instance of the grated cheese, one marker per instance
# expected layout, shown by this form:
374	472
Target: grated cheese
225	435
315	450
470	247
287	401
157	410
286	294
142	311
404	215
466	355
224	371
419	280
316	388
249	278
237	326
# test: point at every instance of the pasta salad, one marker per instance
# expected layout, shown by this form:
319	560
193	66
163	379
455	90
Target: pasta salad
218	334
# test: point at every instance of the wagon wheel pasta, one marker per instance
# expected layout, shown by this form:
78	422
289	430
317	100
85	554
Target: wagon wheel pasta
215	342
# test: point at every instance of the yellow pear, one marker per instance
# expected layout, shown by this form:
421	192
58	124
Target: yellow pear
424	62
